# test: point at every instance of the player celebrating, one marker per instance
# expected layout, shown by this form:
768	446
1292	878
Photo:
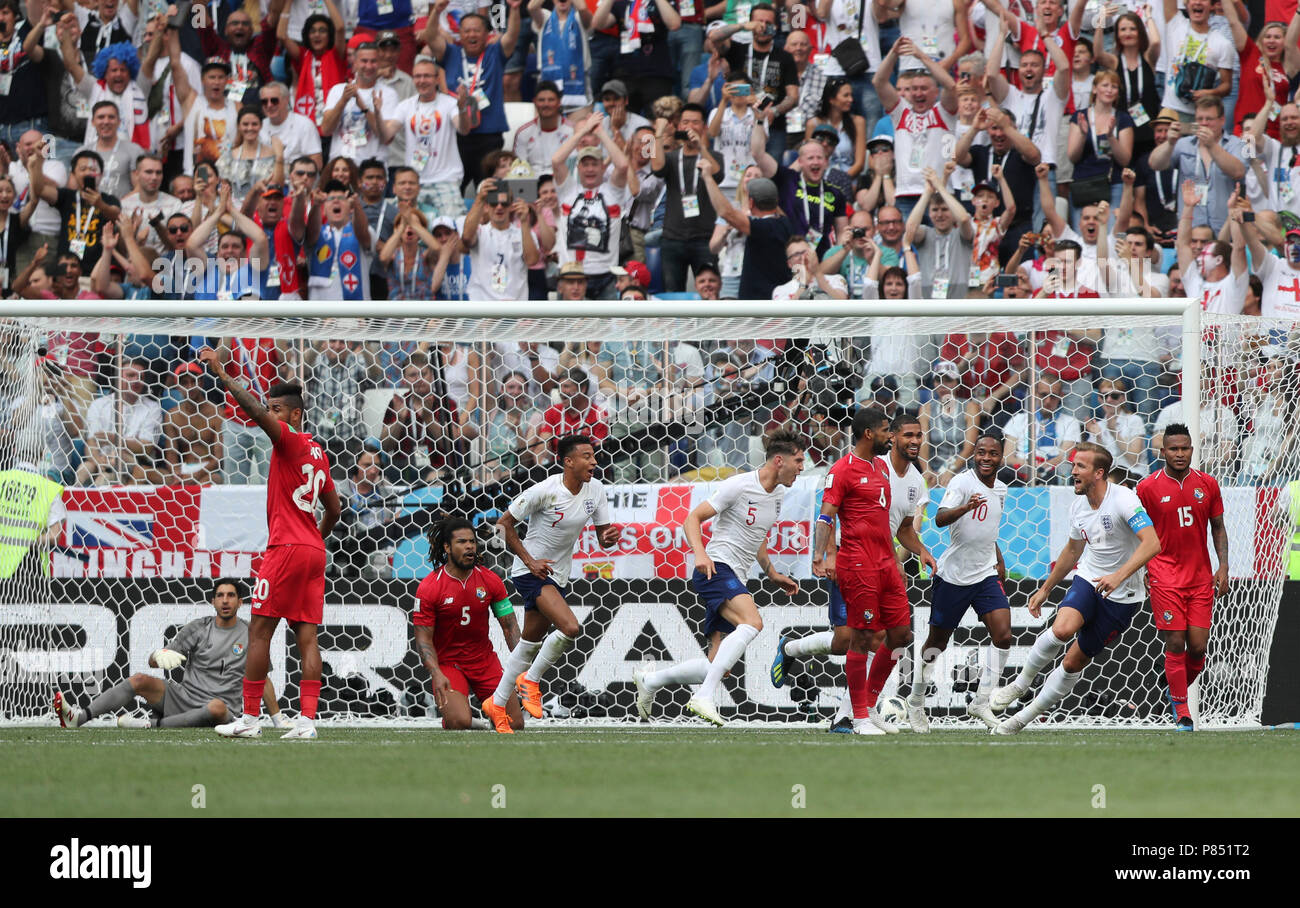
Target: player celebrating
213	649
970	574
908	498
743	509
451	628
1110	529
291	582
1181	502
556	509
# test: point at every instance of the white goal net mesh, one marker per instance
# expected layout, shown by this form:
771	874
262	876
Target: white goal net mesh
430	417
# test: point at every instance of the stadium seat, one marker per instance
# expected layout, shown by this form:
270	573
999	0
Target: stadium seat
654	261
374	404
517	114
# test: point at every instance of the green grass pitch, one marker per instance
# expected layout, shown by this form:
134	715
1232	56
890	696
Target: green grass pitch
681	771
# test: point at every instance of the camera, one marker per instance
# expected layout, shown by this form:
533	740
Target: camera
767	31
741	90
858	233
1006	280
682	135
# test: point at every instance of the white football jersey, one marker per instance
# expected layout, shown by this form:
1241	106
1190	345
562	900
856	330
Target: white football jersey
907	495
1110	533
746	513
971	554
555	521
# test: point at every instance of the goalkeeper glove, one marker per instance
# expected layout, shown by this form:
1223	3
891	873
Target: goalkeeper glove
167	659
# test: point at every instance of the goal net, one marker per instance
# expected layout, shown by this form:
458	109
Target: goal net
432	415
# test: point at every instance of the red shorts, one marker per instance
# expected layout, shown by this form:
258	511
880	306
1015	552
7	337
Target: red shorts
874	600
483	676
291	584
1176	609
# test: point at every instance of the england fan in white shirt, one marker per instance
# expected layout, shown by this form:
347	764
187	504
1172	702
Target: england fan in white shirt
1111	540
556	511
743	509
537	140
593	201
355	111
970	575
1038	107
297	133
431	121
1218	275
500	251
923	119
1280	276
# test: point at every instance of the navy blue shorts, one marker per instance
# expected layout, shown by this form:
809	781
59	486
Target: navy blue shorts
948	601
714	592
838	611
1103	619
530	585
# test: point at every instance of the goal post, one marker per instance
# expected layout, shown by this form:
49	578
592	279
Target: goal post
432	408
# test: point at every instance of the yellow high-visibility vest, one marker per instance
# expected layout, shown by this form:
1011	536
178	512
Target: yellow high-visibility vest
1293	564
25	501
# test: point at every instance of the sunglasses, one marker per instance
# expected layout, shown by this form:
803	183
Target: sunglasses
179	228
1115	395
270	101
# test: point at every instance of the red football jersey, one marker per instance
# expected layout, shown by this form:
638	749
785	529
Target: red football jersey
860	489
299	472
458	613
1181	513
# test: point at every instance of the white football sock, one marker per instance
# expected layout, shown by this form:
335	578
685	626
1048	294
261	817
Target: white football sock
994	661
729	652
812	645
516	664
1058	684
692	671
922	672
1044	651
553	647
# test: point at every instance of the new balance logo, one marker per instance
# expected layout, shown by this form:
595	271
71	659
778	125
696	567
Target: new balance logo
1165	500
75	861
449	600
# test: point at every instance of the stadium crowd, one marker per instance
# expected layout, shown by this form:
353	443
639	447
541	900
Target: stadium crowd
362	150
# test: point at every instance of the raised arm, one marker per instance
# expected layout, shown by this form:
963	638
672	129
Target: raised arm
259	414
513	25
1182	242
880	81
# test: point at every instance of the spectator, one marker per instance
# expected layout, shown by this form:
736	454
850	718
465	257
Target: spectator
1215	272
112	77
708	282
1100	146
479	94
810	281
732	128
339	264
147	199
632	274
251	162
123	430
233	274
728	243
706	79
943	251
766	231
1212	160
192	432
622	120
562	55
593	204
320	60
118	155
537	140
1117	428
1046	457
501	250
334	397
1012	152
812	80
372	522
835	110
1200	64
249	55
876	185
82	209
844	20
211	121
1269	410
572	282
895	356
1218	435
1137	48
815	209
1271	176
512	419
297	133
44	222
688	215
726	442
26	108
421	429
769	69
415	260
576	413
645	62
429	121
850	259
922	127
355	112
1270	59
1037	109
987	229
645	204
949	427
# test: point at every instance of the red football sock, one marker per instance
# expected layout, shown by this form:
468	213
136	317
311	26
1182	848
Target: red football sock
855	667
881	665
308	694
253	697
1176	675
1194	667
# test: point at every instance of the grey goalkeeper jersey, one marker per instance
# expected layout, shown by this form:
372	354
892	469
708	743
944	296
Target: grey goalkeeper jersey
214	658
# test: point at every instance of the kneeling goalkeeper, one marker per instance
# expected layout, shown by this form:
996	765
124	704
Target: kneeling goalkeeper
213	650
